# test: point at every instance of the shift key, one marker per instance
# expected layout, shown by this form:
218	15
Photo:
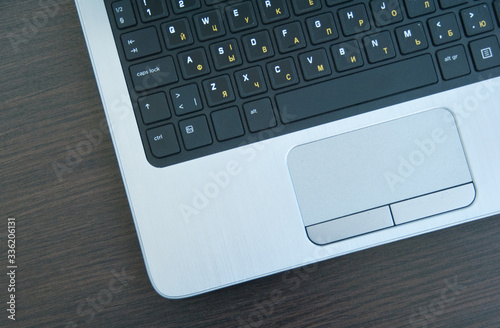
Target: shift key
154	73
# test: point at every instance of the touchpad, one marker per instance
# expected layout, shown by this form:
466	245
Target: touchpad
380	176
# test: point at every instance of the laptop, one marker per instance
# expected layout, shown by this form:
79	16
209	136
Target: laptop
258	136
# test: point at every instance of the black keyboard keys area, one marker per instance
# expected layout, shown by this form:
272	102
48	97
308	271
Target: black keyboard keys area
206	76
218	90
195	132
241	16
194	63
453	62
163	141
152	9
141	43
186	99
227	123
153	74
225	54
177	34
209	25
250	81
477	20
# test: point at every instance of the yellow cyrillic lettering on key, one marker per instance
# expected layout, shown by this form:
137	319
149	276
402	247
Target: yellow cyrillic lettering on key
321	68
450	33
224	94
183	36
417	42
361	22
264	49
427	4
296	41
256	84
311	2
231	58
394	13
385	50
482	23
328	31
288	77
278	11
214	28
353	59
247	19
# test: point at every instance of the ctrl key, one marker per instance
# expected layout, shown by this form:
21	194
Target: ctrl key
163	141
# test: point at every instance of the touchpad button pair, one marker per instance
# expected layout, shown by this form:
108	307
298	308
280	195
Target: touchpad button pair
379	176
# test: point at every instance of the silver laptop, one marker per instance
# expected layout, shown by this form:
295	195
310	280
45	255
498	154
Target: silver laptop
258	136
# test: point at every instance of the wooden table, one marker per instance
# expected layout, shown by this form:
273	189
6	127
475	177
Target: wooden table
79	262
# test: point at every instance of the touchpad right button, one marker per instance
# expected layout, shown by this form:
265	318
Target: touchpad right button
385	164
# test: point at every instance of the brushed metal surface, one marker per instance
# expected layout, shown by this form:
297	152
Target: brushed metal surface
219	243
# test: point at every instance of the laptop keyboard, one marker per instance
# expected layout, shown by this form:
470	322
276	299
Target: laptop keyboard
206	76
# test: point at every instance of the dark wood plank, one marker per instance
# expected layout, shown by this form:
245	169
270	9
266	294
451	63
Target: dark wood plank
79	260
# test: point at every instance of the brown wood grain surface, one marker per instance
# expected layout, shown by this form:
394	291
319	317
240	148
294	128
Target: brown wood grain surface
79	261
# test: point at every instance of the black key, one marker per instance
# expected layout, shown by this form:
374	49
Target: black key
141	43
496	4
282	73
152	9
379	47
241	16
195	132
250	81
218	90
444	29
124	14
213	2
386	12
177	33
154	73
305	6
356	88
476	20
335	2
485	53
273	10
453	62
411	38
186	99
416	8
347	55
227	123
257	46
314	64
163	141
154	108
322	28
181	6
209	25
354	19
259	115
225	54
193	63
289	37
451	3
